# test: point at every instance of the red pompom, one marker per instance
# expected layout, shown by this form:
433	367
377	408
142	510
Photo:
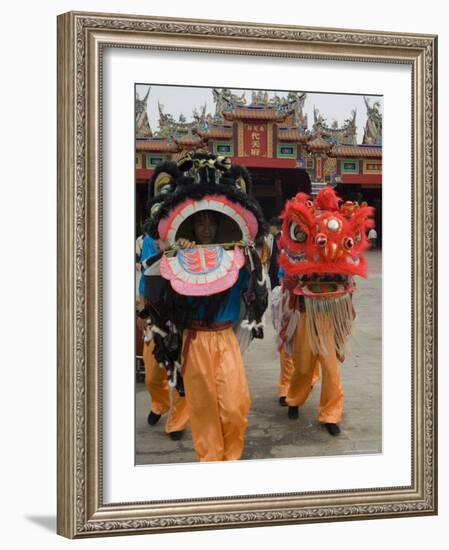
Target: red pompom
327	199
301	198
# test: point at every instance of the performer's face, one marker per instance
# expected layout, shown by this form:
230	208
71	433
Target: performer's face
205	227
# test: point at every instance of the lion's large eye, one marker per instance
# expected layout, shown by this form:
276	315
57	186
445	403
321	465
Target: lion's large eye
348	243
321	240
296	233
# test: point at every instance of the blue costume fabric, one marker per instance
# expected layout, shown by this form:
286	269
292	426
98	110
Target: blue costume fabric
230	309
149	249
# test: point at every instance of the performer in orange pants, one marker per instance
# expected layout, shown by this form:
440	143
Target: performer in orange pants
305	361
287	368
157	385
216	392
322	245
208	279
285	359
285	374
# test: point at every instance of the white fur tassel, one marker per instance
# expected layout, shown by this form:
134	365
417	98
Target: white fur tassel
249	326
173	381
329	316
157	330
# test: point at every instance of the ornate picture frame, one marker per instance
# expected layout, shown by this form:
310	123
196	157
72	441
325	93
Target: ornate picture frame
82	40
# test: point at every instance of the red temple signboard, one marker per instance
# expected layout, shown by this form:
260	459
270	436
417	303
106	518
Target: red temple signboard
255	140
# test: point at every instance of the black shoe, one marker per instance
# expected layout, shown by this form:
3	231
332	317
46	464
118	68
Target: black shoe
283	401
153	418
293	413
176	436
333	429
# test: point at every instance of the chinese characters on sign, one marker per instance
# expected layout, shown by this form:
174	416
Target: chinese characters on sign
255	137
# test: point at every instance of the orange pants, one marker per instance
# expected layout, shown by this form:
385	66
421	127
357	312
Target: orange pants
305	361
287	368
216	392
157	385
285	374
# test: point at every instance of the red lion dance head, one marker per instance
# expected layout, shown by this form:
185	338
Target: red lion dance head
324	239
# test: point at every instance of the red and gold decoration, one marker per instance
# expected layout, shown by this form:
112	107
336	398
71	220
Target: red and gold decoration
255	140
322	246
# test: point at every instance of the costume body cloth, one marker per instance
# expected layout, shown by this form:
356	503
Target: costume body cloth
149	249
285	374
158	388
287	367
215	382
305	372
155	376
286	363
322	246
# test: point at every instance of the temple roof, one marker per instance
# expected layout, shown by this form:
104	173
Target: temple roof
188	141
217	133
247	113
319	145
156	145
172	145
290	134
356	151
314	144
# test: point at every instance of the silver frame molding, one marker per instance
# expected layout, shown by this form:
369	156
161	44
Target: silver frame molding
81	39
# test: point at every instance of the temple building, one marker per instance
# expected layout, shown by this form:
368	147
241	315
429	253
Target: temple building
271	138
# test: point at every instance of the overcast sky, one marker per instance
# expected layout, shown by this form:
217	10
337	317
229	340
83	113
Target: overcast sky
183	100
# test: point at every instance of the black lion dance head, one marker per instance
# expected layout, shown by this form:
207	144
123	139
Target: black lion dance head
181	194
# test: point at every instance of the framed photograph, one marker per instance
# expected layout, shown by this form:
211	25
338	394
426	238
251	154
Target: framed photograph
148	108
269	134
